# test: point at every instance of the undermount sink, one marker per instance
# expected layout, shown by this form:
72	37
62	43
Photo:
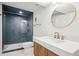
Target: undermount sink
52	39
57	40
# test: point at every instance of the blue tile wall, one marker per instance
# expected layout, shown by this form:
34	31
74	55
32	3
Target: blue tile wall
17	28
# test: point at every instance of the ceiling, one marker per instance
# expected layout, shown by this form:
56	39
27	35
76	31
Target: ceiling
30	6
43	4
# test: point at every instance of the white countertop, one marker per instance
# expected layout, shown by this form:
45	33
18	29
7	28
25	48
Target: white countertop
60	47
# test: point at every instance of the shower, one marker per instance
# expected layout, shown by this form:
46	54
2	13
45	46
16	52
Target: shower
17	25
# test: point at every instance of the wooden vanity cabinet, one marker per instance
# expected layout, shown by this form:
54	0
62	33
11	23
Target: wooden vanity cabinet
39	50
36	47
42	51
50	53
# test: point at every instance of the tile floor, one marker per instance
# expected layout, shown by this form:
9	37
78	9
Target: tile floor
24	52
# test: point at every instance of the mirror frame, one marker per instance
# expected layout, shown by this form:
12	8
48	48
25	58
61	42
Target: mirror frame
69	22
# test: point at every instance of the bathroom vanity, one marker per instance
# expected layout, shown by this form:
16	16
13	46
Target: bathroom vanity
46	46
39	50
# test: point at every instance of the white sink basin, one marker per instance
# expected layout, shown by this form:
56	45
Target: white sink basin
47	38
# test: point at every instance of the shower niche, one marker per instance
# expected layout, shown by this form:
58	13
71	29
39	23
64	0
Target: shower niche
17	25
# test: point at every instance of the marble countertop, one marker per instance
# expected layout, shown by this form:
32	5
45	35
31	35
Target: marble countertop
60	47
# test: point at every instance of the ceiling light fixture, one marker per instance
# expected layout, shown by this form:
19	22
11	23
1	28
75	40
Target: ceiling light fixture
20	12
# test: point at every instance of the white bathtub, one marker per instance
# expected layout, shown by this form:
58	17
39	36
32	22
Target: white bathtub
18	45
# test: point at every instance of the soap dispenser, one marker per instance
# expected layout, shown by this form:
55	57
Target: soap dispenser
61	37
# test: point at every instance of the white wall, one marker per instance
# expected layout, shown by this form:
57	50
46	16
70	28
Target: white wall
38	29
0	29
44	17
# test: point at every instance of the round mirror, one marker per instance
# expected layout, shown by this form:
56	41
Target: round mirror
63	15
